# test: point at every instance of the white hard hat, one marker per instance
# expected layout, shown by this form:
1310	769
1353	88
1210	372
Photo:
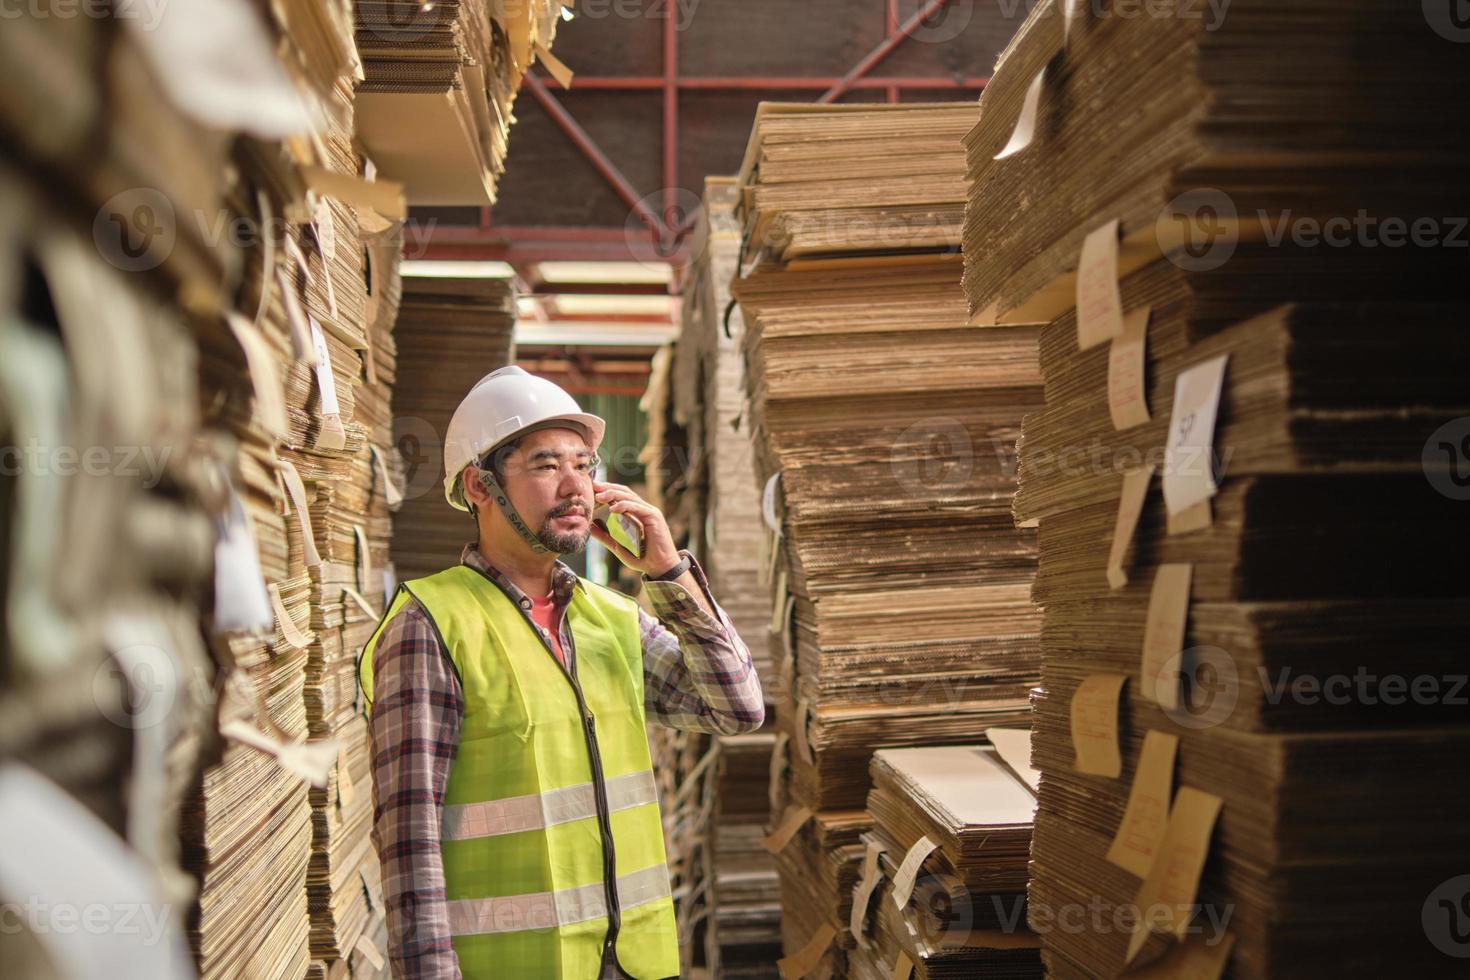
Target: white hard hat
501	405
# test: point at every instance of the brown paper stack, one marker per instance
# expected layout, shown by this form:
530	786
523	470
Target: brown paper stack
440	79
450	334
1232	109
743	938
709	395
818	179
1322	538
882	430
890	425
1212	734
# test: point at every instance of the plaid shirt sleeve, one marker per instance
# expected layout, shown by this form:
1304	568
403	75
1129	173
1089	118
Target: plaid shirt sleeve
414	726
698	674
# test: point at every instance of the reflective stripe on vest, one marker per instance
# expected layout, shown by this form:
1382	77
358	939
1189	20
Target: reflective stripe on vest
521	813
548	910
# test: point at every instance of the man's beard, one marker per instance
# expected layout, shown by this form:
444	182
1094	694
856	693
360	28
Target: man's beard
564	543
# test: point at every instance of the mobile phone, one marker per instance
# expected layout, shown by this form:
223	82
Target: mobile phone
624	528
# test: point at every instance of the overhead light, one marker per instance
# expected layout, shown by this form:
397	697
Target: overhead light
586	304
458	270
583	272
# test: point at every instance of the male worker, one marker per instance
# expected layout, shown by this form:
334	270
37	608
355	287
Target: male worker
515	810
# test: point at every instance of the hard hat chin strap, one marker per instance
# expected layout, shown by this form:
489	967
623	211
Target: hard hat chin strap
502	500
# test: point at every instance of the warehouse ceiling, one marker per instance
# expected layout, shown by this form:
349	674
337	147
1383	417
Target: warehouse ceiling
603	179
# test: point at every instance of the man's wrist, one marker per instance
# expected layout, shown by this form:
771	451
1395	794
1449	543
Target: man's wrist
674	571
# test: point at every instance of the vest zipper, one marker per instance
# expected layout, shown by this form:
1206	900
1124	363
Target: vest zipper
599	787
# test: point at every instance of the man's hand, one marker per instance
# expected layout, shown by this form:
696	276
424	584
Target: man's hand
659	554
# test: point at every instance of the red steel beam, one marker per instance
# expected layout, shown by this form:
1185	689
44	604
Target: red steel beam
880	51
592	151
671	122
761	83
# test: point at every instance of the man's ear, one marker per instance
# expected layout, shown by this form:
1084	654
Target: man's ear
474	491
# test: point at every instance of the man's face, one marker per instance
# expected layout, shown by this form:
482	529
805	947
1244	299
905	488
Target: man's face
549	480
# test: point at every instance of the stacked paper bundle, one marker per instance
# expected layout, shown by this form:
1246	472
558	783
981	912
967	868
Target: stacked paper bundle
743	936
1323	516
883	433
896	507
1229	120
303	384
819	858
731	517
439	81
944	875
818	179
450	334
1234	777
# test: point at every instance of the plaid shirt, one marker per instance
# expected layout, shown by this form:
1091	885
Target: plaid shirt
697	675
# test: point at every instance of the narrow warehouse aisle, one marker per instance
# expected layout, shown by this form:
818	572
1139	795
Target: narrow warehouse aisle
733	489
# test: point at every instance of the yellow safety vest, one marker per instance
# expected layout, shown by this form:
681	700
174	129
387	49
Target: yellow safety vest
551	837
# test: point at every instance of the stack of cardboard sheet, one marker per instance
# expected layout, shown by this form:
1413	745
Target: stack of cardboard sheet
944	875
819	179
1323	515
439	81
1229	121
882	430
743	934
682	766
1241	482
820	863
450	334
711	391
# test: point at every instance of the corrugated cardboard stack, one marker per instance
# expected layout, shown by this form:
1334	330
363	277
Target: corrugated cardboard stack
883	429
333	464
944	874
742	938
139	148
1223	113
450	334
731	517
1222	746
440	79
